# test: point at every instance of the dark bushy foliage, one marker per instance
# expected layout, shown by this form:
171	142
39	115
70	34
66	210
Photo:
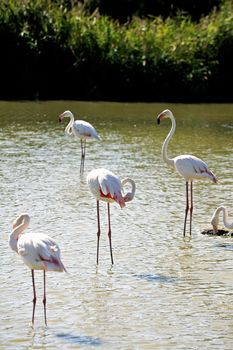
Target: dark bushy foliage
124	10
53	50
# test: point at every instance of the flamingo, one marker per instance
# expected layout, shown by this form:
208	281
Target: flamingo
81	129
106	186
215	219
188	166
38	251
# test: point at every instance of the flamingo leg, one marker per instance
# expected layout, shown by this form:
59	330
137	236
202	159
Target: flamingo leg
82	156
191	206
187	206
98	232
84	150
34	297
44	300
110	233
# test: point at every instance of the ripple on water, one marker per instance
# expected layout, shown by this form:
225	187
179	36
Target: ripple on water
163	292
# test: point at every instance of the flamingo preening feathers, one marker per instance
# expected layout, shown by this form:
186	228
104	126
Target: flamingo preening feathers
107	187
38	251
188	166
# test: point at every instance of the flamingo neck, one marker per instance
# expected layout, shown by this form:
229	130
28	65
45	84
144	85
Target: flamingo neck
68	129
130	195
226	222
167	160
17	231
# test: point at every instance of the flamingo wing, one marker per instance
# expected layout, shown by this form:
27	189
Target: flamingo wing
84	129
110	187
40	251
191	167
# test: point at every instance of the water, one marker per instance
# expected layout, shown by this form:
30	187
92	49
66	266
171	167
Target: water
163	292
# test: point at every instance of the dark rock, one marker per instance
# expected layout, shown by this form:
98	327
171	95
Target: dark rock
221	232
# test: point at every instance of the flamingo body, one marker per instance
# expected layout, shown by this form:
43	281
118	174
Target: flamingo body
188	166
107	187
191	167
84	130
38	251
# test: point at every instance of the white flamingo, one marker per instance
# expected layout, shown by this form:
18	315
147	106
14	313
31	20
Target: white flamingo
81	129
38	251
215	219
106	186
190	167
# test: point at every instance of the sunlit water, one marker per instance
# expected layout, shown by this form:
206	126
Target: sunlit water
163	292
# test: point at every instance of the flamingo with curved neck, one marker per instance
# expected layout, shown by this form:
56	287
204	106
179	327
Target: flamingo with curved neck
215	219
38	251
81	129
107	187
188	166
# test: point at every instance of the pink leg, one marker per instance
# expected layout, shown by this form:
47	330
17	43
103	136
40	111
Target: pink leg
44	301
34	297
191	207
110	233
187	206
98	232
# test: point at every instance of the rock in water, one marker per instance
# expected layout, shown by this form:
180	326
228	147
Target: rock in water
221	232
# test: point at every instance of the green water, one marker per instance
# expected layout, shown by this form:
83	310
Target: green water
163	292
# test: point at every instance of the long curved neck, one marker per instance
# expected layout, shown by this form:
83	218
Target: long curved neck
14	236
68	129
167	160
226	222
129	195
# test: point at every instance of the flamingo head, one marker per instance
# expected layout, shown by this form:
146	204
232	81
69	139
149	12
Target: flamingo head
214	223
163	115
21	218
67	114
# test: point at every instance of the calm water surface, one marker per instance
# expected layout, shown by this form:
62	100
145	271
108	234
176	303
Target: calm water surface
163	292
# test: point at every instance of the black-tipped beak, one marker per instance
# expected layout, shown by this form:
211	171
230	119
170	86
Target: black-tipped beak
60	119
158	120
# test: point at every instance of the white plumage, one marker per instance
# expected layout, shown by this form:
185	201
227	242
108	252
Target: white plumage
37	250
215	219
81	129
191	167
188	166
107	187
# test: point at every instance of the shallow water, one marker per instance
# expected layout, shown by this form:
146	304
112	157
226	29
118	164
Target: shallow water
163	292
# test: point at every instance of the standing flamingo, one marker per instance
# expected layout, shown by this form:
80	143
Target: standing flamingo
38	251
81	129
190	167
215	219
107	187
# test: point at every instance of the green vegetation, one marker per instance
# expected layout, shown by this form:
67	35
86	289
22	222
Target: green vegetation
52	51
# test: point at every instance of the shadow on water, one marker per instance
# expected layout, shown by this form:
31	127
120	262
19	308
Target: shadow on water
156	278
225	246
77	339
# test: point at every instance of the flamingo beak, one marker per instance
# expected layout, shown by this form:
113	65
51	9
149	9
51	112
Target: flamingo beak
60	119
158	120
